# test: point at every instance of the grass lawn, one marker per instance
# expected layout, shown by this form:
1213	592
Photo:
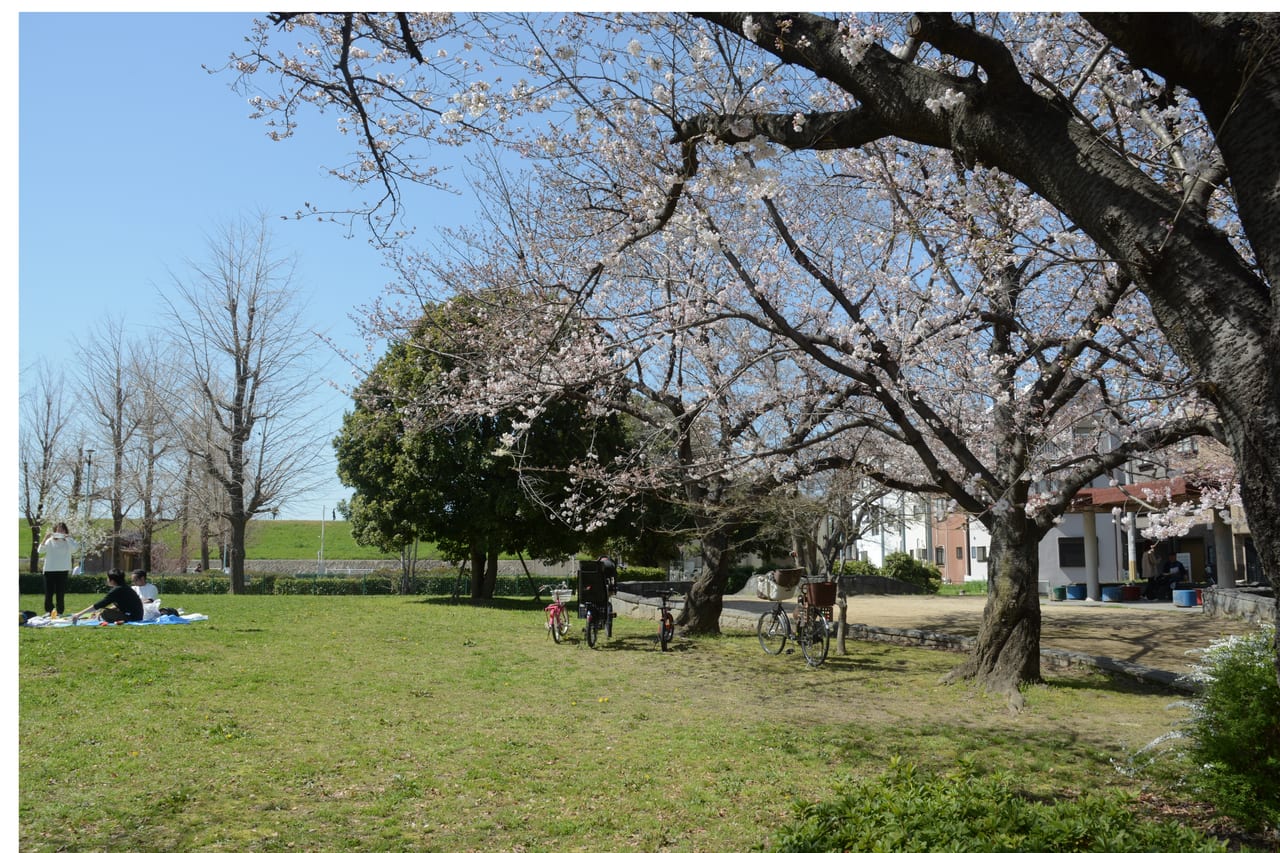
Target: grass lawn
317	723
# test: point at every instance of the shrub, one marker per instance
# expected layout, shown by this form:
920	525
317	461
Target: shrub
901	566
1235	729
907	811
859	567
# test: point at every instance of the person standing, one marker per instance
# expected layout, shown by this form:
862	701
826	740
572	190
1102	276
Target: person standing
1150	563
57	548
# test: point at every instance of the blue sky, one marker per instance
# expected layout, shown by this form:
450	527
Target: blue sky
130	154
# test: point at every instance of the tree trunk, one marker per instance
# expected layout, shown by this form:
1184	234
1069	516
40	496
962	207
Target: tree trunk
146	549
477	573
1255	445
33	564
702	607
1007	651
204	546
238	525
491	573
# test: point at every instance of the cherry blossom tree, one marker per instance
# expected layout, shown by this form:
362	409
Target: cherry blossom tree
44	421
1143	133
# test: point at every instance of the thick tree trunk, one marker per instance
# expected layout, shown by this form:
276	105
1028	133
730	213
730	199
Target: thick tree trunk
1255	445
703	605
238	526
477	573
491	572
1007	652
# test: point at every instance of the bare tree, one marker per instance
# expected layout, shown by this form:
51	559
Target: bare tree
237	318
44	421
107	384
154	451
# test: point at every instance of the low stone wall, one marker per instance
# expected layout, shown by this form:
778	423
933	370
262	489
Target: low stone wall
635	606
1257	605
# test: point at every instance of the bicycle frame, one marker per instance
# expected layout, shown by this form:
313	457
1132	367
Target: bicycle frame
666	621
557	612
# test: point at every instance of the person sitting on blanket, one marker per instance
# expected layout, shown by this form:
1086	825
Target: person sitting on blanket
121	603
145	589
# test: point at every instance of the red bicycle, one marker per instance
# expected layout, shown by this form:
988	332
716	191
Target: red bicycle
558	611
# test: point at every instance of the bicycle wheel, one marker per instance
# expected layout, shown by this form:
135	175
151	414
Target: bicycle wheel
593	630
667	631
815	637
772	629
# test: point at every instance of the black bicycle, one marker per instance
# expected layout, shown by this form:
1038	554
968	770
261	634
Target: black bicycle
666	621
594	607
812	629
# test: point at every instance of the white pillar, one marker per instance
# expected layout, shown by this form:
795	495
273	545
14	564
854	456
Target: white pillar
1091	555
1133	546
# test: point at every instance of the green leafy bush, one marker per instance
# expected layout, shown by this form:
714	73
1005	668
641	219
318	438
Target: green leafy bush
907	811
859	567
337	585
641	573
901	566
1235	729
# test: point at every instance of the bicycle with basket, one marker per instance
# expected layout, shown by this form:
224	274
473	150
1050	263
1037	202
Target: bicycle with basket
815	596
558	610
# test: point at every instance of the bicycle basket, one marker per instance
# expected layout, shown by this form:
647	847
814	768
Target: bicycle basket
560	596
787	577
822	593
770	590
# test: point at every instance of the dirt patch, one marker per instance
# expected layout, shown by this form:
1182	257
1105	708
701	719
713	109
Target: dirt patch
1153	634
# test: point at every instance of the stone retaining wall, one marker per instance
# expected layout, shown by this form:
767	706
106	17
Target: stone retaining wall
1252	605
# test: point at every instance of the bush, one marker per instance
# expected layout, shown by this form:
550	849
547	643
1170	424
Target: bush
907	811
859	567
1235	729
901	566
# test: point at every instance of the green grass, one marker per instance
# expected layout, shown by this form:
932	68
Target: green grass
297	722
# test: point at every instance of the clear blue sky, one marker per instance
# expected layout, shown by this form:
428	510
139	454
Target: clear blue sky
130	154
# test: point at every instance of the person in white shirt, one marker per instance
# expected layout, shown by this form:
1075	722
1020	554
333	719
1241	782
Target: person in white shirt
57	548
146	591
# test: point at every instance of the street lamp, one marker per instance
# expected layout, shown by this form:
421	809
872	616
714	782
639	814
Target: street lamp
88	498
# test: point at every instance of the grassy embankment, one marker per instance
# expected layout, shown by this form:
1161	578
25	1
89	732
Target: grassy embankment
276	540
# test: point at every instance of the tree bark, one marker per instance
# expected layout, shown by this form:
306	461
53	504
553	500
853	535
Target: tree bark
705	601
1007	651
238	525
477	573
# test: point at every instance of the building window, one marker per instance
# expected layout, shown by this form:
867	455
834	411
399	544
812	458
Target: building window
959	552
940	555
980	553
1071	552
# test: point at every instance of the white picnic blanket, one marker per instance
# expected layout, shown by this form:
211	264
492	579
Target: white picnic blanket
91	622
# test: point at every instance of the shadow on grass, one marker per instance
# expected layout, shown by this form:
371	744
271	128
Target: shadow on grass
519	605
